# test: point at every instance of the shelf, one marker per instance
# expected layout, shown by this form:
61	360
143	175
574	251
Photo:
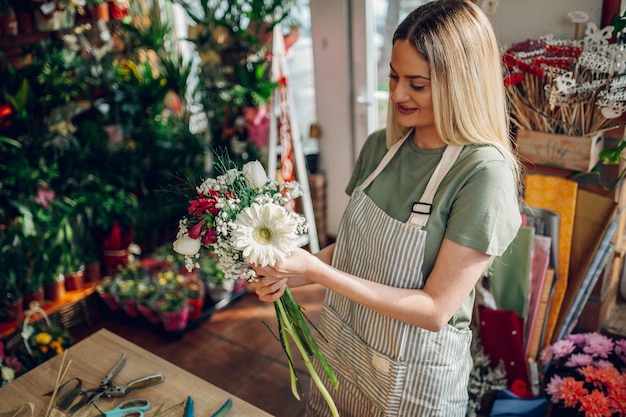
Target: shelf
7	328
210	307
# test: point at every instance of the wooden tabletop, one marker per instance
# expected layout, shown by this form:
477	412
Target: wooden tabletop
94	356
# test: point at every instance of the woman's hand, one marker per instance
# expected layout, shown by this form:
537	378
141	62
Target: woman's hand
272	280
269	289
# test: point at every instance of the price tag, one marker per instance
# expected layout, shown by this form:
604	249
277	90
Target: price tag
578	16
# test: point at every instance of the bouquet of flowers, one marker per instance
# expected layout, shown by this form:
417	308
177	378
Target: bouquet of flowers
585	374
241	217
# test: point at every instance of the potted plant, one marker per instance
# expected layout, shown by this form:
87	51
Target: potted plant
8	19
98	10
173	304
24	15
11	300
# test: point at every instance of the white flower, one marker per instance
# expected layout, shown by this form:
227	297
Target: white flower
187	246
7	374
255	174
265	234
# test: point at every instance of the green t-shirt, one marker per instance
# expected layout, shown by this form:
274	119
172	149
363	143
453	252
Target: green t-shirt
476	204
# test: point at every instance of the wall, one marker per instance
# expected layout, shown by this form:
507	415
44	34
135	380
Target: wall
518	20
331	53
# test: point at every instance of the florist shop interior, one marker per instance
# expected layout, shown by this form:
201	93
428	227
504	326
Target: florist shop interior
119	118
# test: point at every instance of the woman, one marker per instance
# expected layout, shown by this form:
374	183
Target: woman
433	199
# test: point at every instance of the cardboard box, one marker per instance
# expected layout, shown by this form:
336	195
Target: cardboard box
578	153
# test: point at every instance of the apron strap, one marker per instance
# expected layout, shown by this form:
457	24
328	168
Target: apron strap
383	162
421	210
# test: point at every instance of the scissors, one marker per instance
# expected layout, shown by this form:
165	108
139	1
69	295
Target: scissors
133	407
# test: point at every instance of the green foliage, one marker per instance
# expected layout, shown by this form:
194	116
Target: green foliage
54	116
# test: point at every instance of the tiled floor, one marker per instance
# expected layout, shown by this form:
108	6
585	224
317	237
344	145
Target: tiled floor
234	350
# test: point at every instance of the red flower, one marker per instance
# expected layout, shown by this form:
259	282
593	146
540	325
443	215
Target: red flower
196	230
202	206
596	404
210	236
572	391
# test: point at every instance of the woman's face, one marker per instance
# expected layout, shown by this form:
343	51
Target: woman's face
410	87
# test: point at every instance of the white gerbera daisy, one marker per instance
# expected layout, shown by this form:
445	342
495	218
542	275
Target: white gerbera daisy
265	234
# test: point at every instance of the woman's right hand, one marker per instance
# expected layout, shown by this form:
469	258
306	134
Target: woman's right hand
269	289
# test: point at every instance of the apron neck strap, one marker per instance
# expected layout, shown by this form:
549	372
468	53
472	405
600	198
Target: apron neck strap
383	162
421	210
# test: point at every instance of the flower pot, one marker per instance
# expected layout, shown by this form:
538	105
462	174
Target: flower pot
14	307
130	308
175	320
35	295
99	12
54	291
25	22
75	281
195	307
8	24
110	301
93	272
148	313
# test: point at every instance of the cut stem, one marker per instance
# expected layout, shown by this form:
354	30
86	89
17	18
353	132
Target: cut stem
287	326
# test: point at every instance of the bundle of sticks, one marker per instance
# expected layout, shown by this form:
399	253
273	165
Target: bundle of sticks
568	87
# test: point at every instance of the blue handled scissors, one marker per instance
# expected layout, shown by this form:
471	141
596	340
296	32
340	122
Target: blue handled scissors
133	407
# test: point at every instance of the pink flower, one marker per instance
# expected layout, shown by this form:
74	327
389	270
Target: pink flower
554	388
579	339
579	359
562	348
598	345
44	195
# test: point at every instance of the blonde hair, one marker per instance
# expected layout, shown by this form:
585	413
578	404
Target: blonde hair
457	41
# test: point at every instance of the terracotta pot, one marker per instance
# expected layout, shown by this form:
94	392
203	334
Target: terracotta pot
25	22
14	308
54	291
99	12
36	295
8	25
93	272
75	281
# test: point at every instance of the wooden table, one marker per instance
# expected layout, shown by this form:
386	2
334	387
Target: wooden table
94	356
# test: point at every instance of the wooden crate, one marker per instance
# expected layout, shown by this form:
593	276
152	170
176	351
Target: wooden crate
578	153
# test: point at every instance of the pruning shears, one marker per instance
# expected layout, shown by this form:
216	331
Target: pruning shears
108	389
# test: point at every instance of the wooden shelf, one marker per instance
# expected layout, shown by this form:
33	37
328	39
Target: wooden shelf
9	327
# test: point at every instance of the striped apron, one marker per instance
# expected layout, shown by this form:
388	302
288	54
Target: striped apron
386	367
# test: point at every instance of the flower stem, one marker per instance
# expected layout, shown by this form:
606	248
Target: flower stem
282	306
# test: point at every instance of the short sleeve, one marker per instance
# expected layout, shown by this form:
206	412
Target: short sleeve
485	214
